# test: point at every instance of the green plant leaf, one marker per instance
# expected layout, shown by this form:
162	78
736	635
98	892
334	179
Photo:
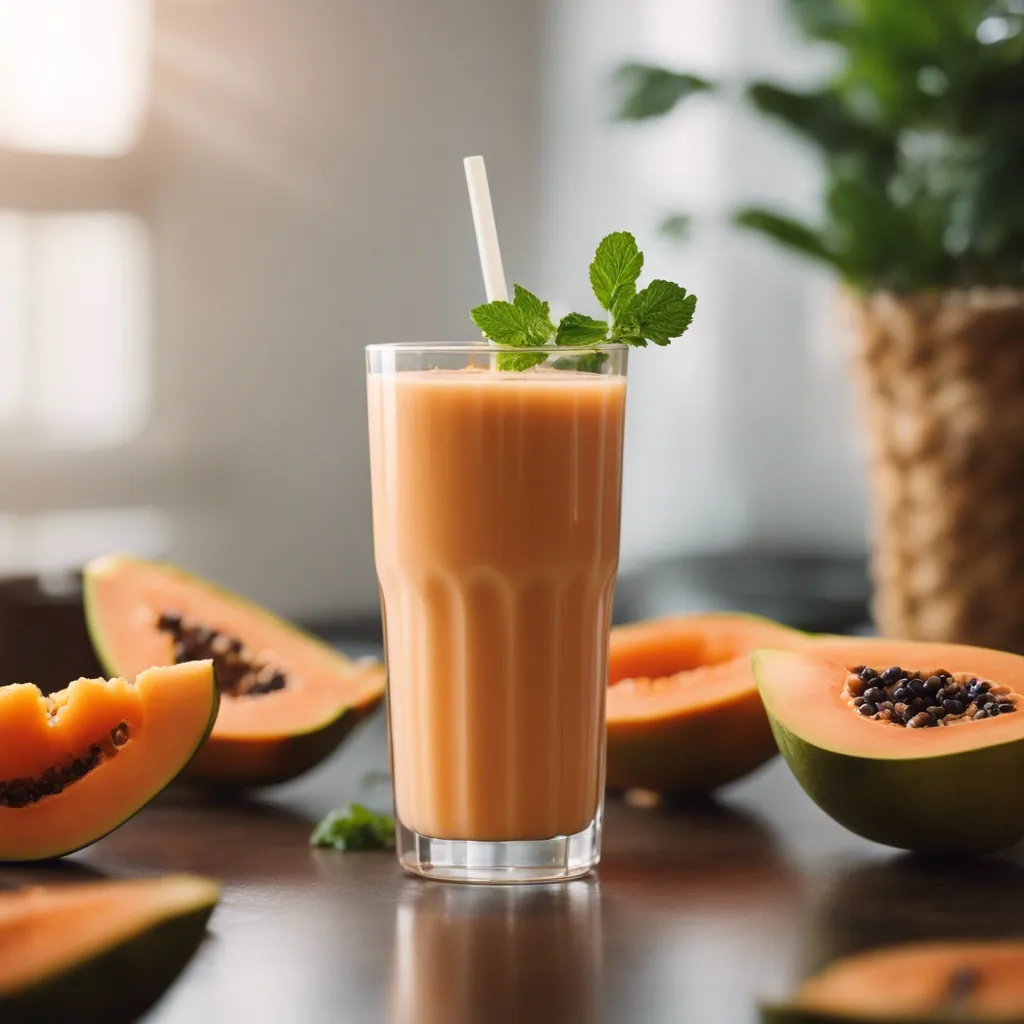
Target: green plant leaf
616	265
827	20
355	828
677	226
822	118
580	329
788	232
649	91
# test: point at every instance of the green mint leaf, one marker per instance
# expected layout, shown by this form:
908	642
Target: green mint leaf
539	327
502	323
355	828
519	361
622	299
580	329
524	322
617	262
585	362
659	313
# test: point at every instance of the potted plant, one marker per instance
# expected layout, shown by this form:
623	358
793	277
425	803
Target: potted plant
922	132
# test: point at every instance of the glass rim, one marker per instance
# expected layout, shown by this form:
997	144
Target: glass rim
457	347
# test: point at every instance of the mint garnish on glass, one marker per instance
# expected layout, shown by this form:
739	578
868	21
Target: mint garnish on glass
658	313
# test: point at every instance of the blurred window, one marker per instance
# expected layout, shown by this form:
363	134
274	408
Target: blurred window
74	329
74	74
74	273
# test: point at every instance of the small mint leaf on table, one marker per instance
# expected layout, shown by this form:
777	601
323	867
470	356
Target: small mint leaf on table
355	828
580	329
617	264
659	313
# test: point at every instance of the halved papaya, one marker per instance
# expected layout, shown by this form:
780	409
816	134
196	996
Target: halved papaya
914	745
99	951
916	984
684	715
78	763
288	699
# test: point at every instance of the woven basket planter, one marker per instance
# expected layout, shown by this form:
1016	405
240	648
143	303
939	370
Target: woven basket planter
943	386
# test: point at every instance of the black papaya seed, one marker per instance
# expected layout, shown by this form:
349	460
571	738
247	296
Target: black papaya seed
169	622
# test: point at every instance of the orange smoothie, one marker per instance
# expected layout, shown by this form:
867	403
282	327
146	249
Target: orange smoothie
496	536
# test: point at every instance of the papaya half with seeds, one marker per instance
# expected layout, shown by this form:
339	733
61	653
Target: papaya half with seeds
924	983
98	952
914	745
287	698
684	715
78	763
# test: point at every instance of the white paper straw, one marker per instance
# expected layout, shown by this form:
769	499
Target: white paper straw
486	230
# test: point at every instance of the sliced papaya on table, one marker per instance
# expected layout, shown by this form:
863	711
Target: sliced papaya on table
914	745
288	698
77	763
684	715
99	951
914	984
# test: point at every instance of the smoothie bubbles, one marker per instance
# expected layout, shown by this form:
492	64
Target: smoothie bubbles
496	470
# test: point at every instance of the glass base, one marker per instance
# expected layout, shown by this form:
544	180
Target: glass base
500	863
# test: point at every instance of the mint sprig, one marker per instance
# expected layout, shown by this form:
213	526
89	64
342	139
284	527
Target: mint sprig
658	313
355	828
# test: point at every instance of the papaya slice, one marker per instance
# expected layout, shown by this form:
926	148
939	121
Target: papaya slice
78	763
288	699
903	743
98	952
914	984
684	714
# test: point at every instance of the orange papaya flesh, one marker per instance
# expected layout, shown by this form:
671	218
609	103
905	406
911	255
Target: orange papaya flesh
100	951
913	984
683	713
76	764
923	789
292	698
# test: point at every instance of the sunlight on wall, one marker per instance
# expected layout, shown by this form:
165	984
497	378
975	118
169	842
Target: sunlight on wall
74	74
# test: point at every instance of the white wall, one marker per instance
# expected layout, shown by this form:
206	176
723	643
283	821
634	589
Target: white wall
308	200
743	433
300	176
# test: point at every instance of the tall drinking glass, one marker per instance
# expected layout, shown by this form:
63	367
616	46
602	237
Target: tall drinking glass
496	497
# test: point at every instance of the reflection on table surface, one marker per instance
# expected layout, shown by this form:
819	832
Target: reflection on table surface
695	914
500	954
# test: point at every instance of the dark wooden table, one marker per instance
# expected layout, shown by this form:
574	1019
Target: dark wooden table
694	914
